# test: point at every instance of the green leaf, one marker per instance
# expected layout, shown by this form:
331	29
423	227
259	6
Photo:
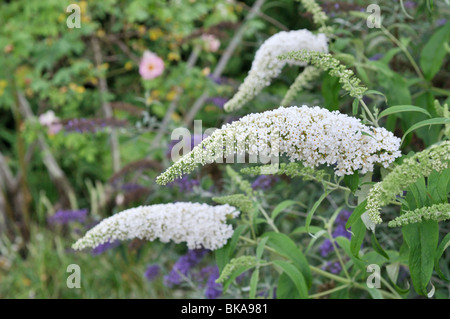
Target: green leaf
234	275
422	240
356	215
402	108
445	243
314	208
377	93
254	283
359	232
286	247
433	121
376	246
302	230
282	206
295	275
433	53
355	105
352	181
344	243
330	92
286	288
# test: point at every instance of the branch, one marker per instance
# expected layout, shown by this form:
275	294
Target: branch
224	60
56	173
106	106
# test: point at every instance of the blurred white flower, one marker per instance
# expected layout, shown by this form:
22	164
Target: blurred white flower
51	121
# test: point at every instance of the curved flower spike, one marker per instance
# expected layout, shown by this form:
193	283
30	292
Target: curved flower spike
266	66
312	135
199	225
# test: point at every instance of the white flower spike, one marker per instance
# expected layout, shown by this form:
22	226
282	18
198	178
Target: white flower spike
199	225
266	66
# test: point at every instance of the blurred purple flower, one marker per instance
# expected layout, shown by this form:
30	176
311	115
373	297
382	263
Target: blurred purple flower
409	4
218	101
264	182
152	272
376	57
183	266
63	217
100	249
333	267
213	289
185	183
441	22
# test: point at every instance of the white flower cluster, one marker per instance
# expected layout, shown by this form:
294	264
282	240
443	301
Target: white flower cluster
312	135
266	66
199	225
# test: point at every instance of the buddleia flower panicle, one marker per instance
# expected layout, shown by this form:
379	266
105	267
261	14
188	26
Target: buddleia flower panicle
199	225
312	135
437	212
326	62
266	66
422	164
240	201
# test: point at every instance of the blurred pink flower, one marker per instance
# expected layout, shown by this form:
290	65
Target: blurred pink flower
151	66
212	43
50	120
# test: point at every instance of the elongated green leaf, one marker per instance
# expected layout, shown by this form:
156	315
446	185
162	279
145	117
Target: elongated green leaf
234	275
314	208
286	247
433	53
295	275
377	93
402	108
422	240
302	230
260	248
433	121
254	283
282	206
376	246
359	232
344	243
286	289
355	105
356	215
445	243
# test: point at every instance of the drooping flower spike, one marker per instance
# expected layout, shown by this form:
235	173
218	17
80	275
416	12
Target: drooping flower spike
266	66
312	135
422	164
199	225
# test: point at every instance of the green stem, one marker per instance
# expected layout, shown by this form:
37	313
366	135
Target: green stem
405	50
328	292
269	220
366	108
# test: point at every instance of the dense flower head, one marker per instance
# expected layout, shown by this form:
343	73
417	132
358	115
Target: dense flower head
63	217
151	66
199	225
312	135
266	66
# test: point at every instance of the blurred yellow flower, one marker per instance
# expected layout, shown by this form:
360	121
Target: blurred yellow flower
80	89
173	56
128	66
155	94
155	34
176	117
26	282
101	33
206	71
211	108
3	84
142	29
171	95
